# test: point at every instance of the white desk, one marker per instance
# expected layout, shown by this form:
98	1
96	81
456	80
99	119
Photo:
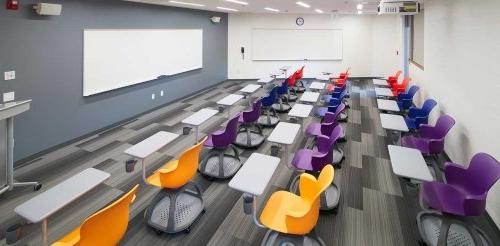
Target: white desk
388	105
323	77
284	134
380	82
301	111
265	81
255	174
276	74
196	119
383	92
40	207
311	97
409	163
148	146
317	85
251	88
228	101
395	123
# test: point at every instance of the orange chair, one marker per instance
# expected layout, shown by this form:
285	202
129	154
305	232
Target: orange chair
400	88
105	227
292	214
174	179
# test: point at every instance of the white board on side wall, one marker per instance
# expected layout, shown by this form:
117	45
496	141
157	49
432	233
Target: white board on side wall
296	44
117	58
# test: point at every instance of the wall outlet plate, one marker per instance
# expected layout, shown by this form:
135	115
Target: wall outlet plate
8	96
9	75
153	96
161	93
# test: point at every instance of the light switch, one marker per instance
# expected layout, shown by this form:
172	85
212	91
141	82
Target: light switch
153	96
9	75
8	96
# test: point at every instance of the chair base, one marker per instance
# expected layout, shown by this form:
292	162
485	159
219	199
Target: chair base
175	210
342	116
268	121
248	138
298	89
274	238
281	107
337	157
218	164
458	232
329	199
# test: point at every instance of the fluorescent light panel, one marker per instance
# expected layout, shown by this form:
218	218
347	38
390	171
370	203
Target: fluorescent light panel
229	9
236	1
271	9
305	5
187	3
359	6
319	11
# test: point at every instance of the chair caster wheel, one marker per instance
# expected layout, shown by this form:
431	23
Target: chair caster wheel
421	243
158	232
335	210
37	187
187	230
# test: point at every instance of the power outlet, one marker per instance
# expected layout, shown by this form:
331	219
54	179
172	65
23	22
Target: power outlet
9	75
153	96
161	93
8	96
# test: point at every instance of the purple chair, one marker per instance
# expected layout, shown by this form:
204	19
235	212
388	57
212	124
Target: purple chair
250	132
463	194
330	121
313	160
431	140
216	163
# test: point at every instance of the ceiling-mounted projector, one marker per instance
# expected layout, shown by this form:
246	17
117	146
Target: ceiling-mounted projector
401	7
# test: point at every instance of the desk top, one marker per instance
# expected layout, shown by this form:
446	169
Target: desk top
10	109
151	144
265	80
284	133
389	105
255	174
380	82
323	77
309	96
385	92
409	163
199	117
230	99
317	85
50	201
300	110
250	88
393	122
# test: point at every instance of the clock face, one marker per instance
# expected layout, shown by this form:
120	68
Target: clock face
300	21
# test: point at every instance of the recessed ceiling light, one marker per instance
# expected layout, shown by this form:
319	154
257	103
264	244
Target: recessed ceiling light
360	12
305	5
229	9
238	2
186	3
271	9
319	11
359	6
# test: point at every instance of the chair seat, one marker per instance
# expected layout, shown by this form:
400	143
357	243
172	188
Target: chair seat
313	129
421	144
154	179
71	238
411	123
321	111
444	197
274	216
303	159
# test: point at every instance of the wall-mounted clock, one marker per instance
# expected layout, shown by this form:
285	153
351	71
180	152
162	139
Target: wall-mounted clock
299	21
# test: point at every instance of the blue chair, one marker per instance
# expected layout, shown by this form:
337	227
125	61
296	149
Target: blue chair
338	92
331	106
283	104
418	116
405	100
269	117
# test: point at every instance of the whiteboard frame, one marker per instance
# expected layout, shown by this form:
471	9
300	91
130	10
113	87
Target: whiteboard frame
314	29
145	79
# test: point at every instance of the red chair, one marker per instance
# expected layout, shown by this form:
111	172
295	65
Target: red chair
391	80
292	97
299	85
400	88
345	74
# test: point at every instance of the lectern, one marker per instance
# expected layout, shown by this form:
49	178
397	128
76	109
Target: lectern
7	112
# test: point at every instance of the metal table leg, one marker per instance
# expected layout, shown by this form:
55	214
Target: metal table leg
45	233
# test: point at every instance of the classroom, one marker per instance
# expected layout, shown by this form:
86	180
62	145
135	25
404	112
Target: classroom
250	122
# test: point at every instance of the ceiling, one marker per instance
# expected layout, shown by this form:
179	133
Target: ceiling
284	6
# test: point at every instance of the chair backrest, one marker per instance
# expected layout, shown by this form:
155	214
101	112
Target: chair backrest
412	91
397	74
443	125
186	167
310	191
324	145
427	107
283	89
291	80
108	225
271	98
405	82
253	115
484	172
229	134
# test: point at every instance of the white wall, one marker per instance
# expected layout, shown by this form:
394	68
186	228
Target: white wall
461	56
357	44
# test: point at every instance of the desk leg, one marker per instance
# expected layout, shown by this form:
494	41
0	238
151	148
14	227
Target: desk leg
196	135
143	163
228	112
45	233
286	154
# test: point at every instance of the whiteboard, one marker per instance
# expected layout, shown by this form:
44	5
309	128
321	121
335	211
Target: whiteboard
296	44
114	59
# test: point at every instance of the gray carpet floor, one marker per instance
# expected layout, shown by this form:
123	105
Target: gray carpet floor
376	207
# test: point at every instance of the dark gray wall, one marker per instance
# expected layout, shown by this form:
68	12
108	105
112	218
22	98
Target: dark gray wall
47	55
